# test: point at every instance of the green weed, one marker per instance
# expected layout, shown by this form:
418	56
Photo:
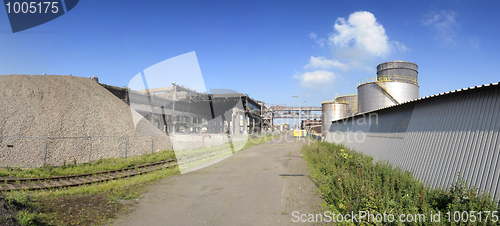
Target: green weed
89	167
26	218
350	181
17	197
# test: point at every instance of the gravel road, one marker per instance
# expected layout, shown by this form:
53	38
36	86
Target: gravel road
261	185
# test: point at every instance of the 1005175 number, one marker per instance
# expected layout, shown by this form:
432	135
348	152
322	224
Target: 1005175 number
32	7
472	216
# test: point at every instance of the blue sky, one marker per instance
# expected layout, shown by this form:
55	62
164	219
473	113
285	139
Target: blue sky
269	50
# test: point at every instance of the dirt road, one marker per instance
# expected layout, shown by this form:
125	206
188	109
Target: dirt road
261	185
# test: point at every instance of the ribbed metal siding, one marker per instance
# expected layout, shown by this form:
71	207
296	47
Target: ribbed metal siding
444	136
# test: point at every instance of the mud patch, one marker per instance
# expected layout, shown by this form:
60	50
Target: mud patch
93	209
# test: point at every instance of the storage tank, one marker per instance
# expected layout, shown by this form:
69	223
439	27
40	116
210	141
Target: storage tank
351	99
396	82
398	67
332	111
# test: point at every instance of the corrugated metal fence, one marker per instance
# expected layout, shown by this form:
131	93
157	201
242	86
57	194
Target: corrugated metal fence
435	137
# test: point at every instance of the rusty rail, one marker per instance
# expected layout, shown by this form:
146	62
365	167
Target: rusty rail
35	183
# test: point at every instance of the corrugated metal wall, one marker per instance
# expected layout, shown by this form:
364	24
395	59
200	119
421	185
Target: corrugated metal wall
435	137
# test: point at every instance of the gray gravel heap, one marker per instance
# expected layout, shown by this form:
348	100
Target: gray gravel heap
82	120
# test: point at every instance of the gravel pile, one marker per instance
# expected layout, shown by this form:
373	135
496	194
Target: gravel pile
82	120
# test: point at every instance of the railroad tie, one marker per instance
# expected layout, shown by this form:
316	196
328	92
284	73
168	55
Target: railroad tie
77	180
55	184
35	186
11	187
101	178
67	182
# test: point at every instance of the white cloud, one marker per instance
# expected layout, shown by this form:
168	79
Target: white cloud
313	35
474	43
357	43
316	79
361	34
322	62
400	46
362	66
320	41
445	24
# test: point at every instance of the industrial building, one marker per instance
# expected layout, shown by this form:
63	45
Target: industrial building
178	109
312	126
284	127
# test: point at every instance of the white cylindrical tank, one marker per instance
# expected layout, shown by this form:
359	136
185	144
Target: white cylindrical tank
396	83
352	100
398	67
332	111
375	95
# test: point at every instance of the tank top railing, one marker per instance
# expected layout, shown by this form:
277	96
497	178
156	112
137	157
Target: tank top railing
389	78
345	95
333	100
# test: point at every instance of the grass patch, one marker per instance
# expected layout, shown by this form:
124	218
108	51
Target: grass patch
26	218
118	187
84	205
257	141
18	208
350	181
89	167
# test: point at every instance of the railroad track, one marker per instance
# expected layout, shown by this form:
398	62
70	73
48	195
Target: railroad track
35	183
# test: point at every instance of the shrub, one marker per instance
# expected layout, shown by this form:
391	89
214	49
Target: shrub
26	218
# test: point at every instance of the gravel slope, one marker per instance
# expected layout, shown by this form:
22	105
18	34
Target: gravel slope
65	106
